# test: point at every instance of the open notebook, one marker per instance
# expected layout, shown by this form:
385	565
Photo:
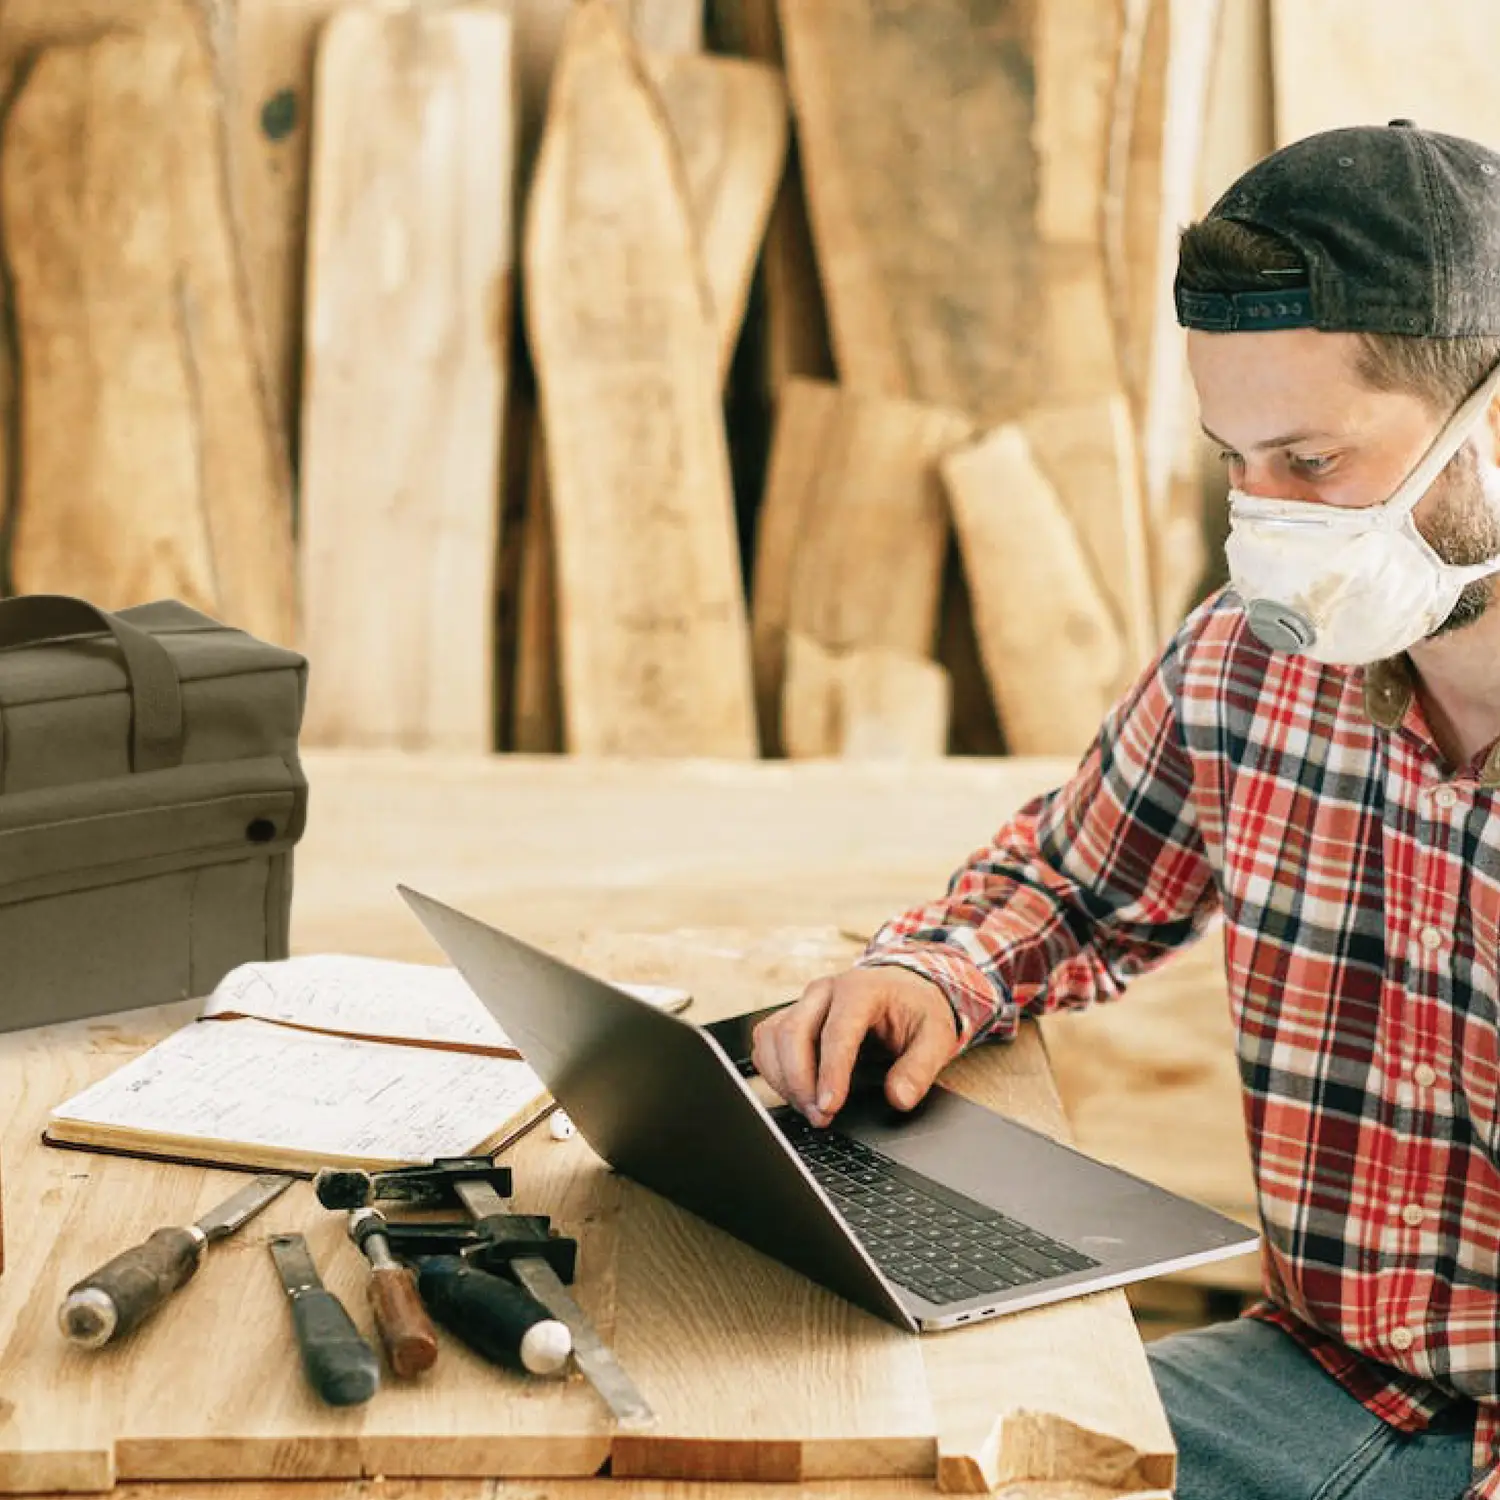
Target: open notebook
317	1061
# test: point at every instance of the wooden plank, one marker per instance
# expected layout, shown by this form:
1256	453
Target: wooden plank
1166	116
655	655
915	130
1050	642
409	310
672	27
536	712
149	464
975	726
1349	64
839	1394
1237	132
1087	450
1076	51
871	704
1239	128
855	842
270	89
616	1489
852	529
729	119
794	338
27	26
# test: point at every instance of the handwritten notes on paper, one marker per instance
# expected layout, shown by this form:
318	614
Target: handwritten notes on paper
249	1092
320	1060
381	999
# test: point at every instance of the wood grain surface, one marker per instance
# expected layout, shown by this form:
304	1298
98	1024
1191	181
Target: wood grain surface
836	1392
410	256
654	637
149	464
914	126
851	537
1052	647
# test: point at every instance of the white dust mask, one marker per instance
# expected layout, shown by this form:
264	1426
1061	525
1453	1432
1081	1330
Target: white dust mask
1351	586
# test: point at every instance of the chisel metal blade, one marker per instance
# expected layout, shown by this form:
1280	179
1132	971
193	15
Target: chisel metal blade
594	1357
243	1206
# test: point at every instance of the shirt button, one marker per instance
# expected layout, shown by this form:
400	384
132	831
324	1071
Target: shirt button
1402	1338
1425	1074
1431	938
1445	796
1413	1214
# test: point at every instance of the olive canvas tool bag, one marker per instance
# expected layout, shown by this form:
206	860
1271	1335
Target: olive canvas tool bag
150	798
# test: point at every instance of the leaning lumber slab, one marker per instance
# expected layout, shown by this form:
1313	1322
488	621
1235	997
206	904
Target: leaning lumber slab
149	464
652	624
410	256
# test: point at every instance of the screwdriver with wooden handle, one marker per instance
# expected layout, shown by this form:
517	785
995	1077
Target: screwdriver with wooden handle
406	1331
124	1292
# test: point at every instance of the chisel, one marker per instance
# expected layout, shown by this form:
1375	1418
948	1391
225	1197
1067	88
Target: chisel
494	1317
340	1366
123	1293
536	1275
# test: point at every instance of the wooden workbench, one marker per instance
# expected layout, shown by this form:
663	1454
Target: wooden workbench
741	882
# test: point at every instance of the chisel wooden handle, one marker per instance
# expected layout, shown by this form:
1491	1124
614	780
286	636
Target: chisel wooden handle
341	1367
406	1332
494	1317
125	1291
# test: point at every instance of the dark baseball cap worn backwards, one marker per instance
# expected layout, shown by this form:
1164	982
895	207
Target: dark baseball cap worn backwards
1399	229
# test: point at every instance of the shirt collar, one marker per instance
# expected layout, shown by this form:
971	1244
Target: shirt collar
1389	689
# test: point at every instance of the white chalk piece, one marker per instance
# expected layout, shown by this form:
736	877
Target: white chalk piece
561	1126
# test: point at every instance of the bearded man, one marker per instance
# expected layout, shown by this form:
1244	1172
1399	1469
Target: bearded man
1314	759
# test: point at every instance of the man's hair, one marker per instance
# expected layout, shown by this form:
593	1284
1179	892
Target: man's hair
1222	255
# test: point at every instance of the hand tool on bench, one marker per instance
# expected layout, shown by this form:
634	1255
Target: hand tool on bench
406	1331
427	1186
493	1316
524	1255
517	1243
124	1292
340	1366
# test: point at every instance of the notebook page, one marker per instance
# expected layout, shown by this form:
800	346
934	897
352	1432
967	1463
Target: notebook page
371	997
297	1095
376	997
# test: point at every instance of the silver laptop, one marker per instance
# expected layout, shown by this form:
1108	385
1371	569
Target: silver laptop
942	1216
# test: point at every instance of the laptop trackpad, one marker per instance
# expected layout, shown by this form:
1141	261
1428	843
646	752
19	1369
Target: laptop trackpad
985	1156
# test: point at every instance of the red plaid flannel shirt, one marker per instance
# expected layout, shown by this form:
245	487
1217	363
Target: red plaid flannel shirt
1359	883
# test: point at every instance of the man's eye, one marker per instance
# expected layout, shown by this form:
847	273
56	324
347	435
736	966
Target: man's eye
1228	456
1311	464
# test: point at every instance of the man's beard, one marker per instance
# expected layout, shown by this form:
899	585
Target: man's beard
1464	529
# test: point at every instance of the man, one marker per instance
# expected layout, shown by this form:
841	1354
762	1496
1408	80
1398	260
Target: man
1315	756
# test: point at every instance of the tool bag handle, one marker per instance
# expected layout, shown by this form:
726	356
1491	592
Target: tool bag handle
155	691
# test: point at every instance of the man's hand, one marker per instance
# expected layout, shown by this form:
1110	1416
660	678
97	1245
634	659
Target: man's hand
806	1052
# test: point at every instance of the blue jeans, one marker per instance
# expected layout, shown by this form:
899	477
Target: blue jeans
1256	1418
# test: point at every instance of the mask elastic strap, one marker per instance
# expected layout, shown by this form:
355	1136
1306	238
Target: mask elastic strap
1454	434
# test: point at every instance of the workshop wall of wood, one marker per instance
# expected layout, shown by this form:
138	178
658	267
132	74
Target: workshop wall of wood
349	327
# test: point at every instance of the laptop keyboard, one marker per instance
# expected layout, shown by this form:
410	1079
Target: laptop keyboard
935	1242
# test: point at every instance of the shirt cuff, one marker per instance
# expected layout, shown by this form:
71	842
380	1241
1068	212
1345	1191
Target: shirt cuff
982	1007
